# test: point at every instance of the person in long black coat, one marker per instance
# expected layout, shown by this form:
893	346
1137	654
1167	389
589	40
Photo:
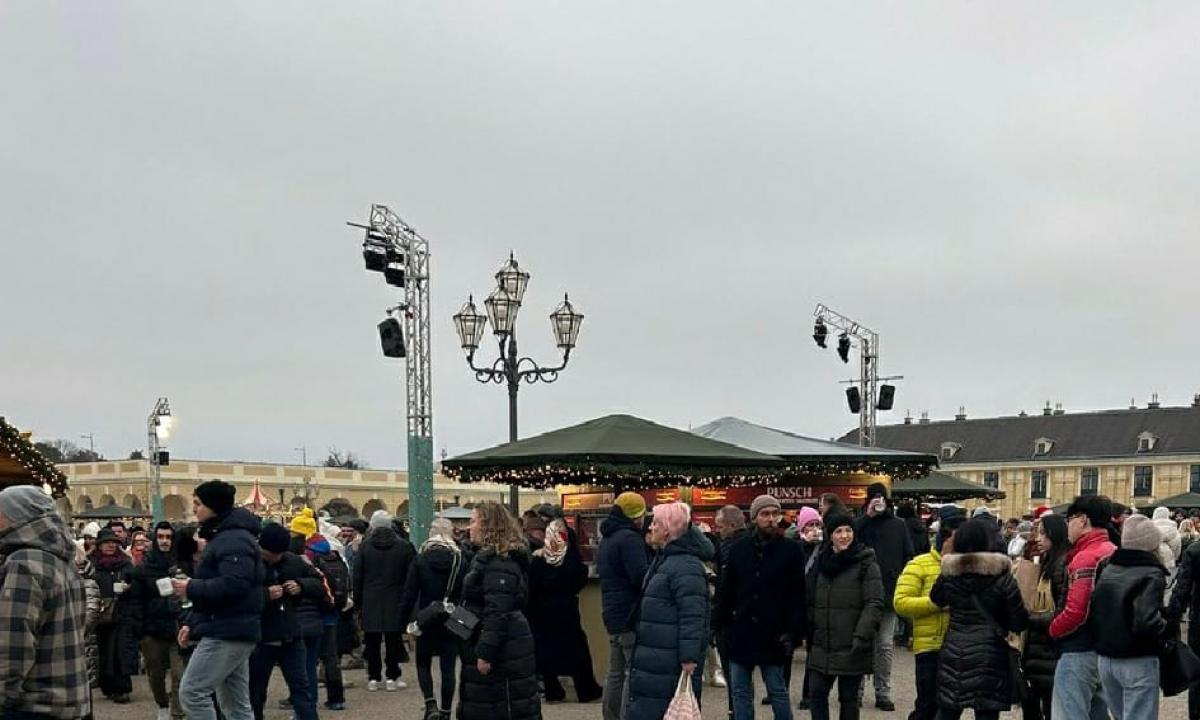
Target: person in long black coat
556	577
116	634
978	587
499	663
380	571
435	577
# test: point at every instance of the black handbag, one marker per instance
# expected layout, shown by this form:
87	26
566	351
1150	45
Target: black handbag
1178	668
462	623
1016	676
436	612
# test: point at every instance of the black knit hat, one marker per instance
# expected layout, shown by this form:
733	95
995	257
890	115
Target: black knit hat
107	535
216	495
877	490
274	538
833	522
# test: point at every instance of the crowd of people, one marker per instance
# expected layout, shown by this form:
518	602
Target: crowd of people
1060	615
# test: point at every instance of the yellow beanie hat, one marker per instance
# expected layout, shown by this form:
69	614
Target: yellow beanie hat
632	505
304	524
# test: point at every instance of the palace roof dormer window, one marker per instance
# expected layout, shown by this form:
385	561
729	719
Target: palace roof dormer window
1146	442
949	450
1043	446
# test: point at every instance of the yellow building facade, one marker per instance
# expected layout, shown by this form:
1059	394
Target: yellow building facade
128	483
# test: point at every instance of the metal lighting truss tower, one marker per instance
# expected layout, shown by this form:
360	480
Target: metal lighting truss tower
868	360
389	235
158	429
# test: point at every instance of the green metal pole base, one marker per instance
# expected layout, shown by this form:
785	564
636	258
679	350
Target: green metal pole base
420	487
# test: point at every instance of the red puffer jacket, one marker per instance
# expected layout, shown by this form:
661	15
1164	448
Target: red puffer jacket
1069	627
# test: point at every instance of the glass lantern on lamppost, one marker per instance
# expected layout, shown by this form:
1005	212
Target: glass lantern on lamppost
502	306
470	325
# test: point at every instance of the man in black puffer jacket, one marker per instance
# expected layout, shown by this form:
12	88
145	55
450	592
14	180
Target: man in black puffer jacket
156	621
622	561
226	606
294	594
1127	611
886	534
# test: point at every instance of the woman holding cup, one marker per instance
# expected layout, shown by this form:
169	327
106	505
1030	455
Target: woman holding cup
116	636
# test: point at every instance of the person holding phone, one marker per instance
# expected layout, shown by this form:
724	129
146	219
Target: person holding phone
886	534
116	636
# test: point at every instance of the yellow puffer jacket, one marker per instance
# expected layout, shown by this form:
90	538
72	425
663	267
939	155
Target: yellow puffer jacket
912	601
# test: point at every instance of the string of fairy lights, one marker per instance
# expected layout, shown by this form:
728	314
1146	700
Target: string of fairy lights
41	470
653	476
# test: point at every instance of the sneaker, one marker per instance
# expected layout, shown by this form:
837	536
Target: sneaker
394	685
372	685
335	706
885	705
718	679
164	714
431	711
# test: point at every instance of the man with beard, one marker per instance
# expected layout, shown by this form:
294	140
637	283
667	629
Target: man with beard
886	534
760	606
155	620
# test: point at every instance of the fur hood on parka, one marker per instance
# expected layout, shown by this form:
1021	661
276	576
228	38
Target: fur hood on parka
977	563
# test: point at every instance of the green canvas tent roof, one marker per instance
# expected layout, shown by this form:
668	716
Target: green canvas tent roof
1183	501
944	487
109	512
620	450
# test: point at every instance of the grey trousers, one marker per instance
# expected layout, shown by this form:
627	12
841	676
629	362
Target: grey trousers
220	666
620	648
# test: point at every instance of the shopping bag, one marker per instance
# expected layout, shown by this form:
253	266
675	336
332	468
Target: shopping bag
684	705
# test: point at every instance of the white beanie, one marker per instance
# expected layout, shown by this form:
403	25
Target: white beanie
381	519
1162	513
91	530
1139	532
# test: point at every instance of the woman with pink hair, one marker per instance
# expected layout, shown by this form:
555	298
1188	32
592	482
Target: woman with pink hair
673	614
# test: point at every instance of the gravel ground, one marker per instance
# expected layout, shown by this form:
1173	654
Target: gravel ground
407	705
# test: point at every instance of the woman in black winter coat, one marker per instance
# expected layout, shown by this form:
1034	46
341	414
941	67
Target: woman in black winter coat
435	577
116	636
556	577
977	586
499	679
1039	657
845	603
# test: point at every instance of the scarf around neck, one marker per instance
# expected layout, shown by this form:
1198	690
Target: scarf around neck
554	551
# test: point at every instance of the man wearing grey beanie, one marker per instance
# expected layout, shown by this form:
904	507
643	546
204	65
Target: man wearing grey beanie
45	664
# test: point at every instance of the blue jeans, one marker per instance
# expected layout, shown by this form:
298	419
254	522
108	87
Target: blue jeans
219	666
290	657
1130	686
741	683
312	657
616	683
1077	693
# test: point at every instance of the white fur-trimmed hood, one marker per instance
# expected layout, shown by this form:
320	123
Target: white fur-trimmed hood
978	563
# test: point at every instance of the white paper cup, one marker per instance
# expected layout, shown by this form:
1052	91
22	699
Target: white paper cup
118	587
165	587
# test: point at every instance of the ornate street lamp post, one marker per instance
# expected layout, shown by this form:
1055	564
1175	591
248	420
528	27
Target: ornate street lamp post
502	306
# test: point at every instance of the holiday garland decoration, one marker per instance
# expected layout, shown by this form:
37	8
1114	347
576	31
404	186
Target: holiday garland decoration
653	475
41	470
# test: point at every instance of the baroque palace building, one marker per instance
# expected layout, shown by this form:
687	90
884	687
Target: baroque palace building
128	483
1137	456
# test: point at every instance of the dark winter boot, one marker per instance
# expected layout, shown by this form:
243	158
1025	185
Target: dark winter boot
431	710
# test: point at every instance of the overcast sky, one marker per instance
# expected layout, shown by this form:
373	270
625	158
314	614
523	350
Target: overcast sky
1006	192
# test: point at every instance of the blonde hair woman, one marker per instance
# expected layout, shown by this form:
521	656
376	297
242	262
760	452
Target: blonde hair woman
498	674
673	614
